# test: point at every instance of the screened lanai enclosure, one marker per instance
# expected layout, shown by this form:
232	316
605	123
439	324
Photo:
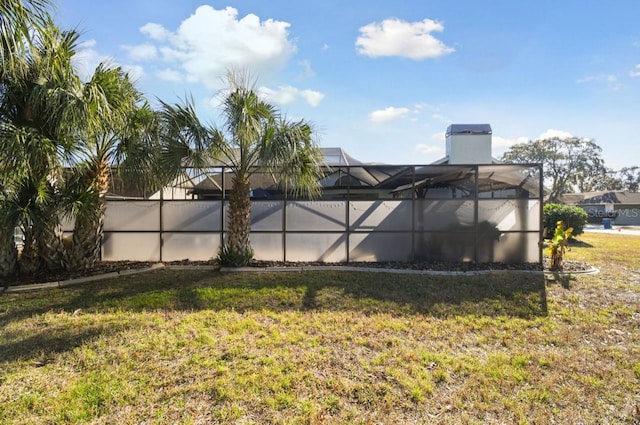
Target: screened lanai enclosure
371	213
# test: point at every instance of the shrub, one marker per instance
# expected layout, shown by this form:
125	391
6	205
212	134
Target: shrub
233	258
571	216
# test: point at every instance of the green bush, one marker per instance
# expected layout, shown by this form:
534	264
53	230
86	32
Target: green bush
232	258
570	215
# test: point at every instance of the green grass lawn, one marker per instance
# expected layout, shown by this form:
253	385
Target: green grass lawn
330	347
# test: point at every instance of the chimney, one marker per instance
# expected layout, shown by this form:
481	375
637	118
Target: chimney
469	144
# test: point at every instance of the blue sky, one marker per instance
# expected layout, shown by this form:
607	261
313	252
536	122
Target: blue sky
384	79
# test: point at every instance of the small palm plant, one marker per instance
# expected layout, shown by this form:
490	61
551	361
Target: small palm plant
559	244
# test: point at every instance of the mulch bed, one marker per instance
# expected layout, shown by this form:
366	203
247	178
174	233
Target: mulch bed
117	266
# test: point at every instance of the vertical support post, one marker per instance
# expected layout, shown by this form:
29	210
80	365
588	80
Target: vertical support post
284	226
413	212
222	200
540	202
476	205
347	230
161	207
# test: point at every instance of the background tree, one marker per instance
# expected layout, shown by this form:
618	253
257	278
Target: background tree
630	178
255	137
569	164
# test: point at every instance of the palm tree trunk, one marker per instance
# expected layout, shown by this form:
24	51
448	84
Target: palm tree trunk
8	253
51	246
29	260
86	243
240	223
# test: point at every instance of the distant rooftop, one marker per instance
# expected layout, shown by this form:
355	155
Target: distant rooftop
337	156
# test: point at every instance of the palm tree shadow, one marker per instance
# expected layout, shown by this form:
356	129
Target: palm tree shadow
564	279
509	295
42	347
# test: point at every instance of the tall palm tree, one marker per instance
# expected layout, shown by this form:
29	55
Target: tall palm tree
17	20
119	137
255	137
40	105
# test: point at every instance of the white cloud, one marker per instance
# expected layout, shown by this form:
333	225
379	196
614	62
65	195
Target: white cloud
136	72
388	114
211	41
169	74
441	118
551	133
155	31
608	79
142	52
601	78
502	143
87	58
429	149
307	71
440	136
394	37
312	97
285	95
635	72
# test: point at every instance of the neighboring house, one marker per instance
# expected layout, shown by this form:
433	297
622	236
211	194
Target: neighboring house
622	207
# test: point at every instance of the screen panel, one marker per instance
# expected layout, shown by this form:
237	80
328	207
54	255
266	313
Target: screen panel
380	247
267	246
444	215
513	248
132	215
316	216
131	247
191	215
380	215
325	247
444	246
190	246
510	214
267	215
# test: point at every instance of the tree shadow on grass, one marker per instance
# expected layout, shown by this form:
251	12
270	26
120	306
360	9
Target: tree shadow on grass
579	243
563	279
516	295
500	294
42	346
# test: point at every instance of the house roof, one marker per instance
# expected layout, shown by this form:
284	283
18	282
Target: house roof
213	183
601	197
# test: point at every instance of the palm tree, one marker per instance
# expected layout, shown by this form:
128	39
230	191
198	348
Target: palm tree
255	137
119	137
40	105
17	20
